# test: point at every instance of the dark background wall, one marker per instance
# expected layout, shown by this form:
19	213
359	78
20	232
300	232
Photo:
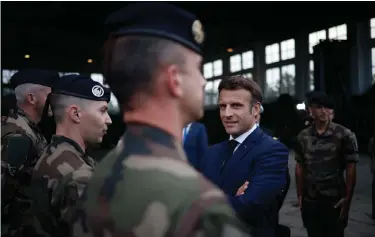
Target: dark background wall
64	35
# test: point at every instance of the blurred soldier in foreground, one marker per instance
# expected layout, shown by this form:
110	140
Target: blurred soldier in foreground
21	145
146	187
325	150
80	106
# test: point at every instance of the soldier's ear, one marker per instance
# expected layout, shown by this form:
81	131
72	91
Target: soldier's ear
31	99
74	113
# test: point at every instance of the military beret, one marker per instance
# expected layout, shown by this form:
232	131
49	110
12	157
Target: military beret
42	77
159	20
319	98
81	87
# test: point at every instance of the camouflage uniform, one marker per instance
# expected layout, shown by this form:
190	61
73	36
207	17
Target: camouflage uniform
146	188
324	158
21	145
65	169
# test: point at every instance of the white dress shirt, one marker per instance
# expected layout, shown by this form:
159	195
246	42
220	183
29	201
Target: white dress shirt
187	128
240	139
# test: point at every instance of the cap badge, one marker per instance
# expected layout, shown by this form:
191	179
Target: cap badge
97	91
197	30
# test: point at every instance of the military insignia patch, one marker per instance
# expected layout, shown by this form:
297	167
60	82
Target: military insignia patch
197	30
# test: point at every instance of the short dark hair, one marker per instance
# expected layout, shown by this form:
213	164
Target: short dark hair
131	62
60	102
241	82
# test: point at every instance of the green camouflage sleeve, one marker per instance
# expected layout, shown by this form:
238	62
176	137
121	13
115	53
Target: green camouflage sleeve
15	151
69	191
350	147
210	216
157	197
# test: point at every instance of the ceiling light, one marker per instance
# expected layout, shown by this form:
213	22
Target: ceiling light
89	60
27	56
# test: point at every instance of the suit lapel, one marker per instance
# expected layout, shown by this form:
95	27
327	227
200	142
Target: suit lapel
245	147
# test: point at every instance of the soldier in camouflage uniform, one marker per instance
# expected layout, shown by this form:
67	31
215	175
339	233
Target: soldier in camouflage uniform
326	150
145	187
80	106
21	145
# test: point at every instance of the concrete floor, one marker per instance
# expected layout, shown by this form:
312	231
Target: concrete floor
360	225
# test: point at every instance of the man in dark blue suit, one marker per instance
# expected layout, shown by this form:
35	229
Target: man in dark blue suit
195	143
250	158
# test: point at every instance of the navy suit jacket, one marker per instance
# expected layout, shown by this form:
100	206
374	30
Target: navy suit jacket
196	145
260	160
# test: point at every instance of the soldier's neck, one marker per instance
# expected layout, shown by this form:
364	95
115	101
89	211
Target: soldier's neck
31	114
321	127
167	119
71	133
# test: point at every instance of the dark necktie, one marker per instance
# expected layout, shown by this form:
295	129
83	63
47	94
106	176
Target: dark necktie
231	145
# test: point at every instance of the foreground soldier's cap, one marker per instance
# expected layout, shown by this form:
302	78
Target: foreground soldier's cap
158	20
82	87
42	77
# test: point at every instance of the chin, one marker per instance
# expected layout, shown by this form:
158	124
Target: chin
231	131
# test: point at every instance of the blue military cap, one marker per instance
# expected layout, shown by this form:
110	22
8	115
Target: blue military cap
82	87
320	98
42	77
159	20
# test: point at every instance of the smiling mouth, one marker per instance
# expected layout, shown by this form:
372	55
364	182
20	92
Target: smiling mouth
230	123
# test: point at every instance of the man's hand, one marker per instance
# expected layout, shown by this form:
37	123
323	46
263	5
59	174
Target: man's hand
242	189
344	204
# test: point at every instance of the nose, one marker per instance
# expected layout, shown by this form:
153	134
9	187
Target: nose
228	111
108	120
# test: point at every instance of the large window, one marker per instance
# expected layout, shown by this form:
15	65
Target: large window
311	75
272	83
272	53
235	63
338	32
288	75
242	61
288	49
6	75
211	92
372	25
280	81
373	64
315	38
213	69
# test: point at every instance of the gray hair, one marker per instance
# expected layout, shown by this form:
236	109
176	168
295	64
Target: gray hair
23	90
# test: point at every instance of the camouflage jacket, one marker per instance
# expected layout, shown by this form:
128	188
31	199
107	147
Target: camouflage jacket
21	145
324	158
58	181
145	187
